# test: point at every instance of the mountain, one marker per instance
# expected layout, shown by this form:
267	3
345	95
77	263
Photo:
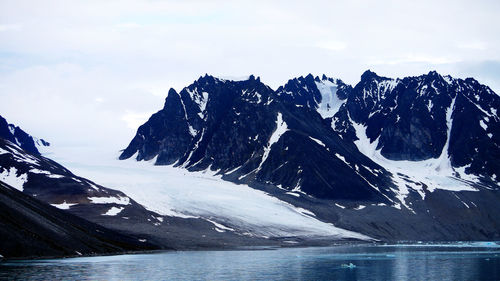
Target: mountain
45	180
50	182
233	126
18	136
428	117
30	228
393	159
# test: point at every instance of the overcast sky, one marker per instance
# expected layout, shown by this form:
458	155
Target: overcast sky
89	72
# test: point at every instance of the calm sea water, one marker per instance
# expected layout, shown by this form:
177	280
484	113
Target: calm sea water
464	261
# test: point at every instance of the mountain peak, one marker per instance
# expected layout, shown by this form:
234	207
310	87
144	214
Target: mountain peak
434	74
205	79
368	75
17	136
253	78
171	92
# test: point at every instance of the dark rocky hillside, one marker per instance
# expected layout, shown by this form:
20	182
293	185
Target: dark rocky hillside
31	229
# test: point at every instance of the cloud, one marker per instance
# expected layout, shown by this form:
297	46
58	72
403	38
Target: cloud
91	70
332	45
409	59
128	25
65	103
9	27
134	119
479	46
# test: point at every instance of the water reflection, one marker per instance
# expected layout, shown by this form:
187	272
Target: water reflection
372	263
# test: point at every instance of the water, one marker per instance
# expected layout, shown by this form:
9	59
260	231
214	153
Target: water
479	261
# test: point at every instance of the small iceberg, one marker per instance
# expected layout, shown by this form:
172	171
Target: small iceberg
348	265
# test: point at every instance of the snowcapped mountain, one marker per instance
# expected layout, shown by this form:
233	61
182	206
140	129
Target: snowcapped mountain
252	135
371	158
426	130
18	136
233	162
427	117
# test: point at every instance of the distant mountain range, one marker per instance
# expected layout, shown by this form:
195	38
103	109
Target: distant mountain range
389	159
412	158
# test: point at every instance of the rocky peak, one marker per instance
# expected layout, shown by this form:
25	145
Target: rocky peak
369	75
16	135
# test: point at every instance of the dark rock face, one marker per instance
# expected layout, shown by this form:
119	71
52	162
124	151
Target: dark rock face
30	228
416	117
17	135
408	117
167	130
475	132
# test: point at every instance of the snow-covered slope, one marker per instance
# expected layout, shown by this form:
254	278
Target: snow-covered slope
330	102
174	191
46	180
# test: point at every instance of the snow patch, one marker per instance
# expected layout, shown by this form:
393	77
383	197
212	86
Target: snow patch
110	200
194	148
200	99
342	158
293	194
318	141
113	211
38	171
19	156
464	176
281	128
305	212
436	173
192	131
483	125
219	227
64	205
12	129
430	105
330	102
11	178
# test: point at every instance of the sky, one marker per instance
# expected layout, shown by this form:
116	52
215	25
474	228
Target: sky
90	72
